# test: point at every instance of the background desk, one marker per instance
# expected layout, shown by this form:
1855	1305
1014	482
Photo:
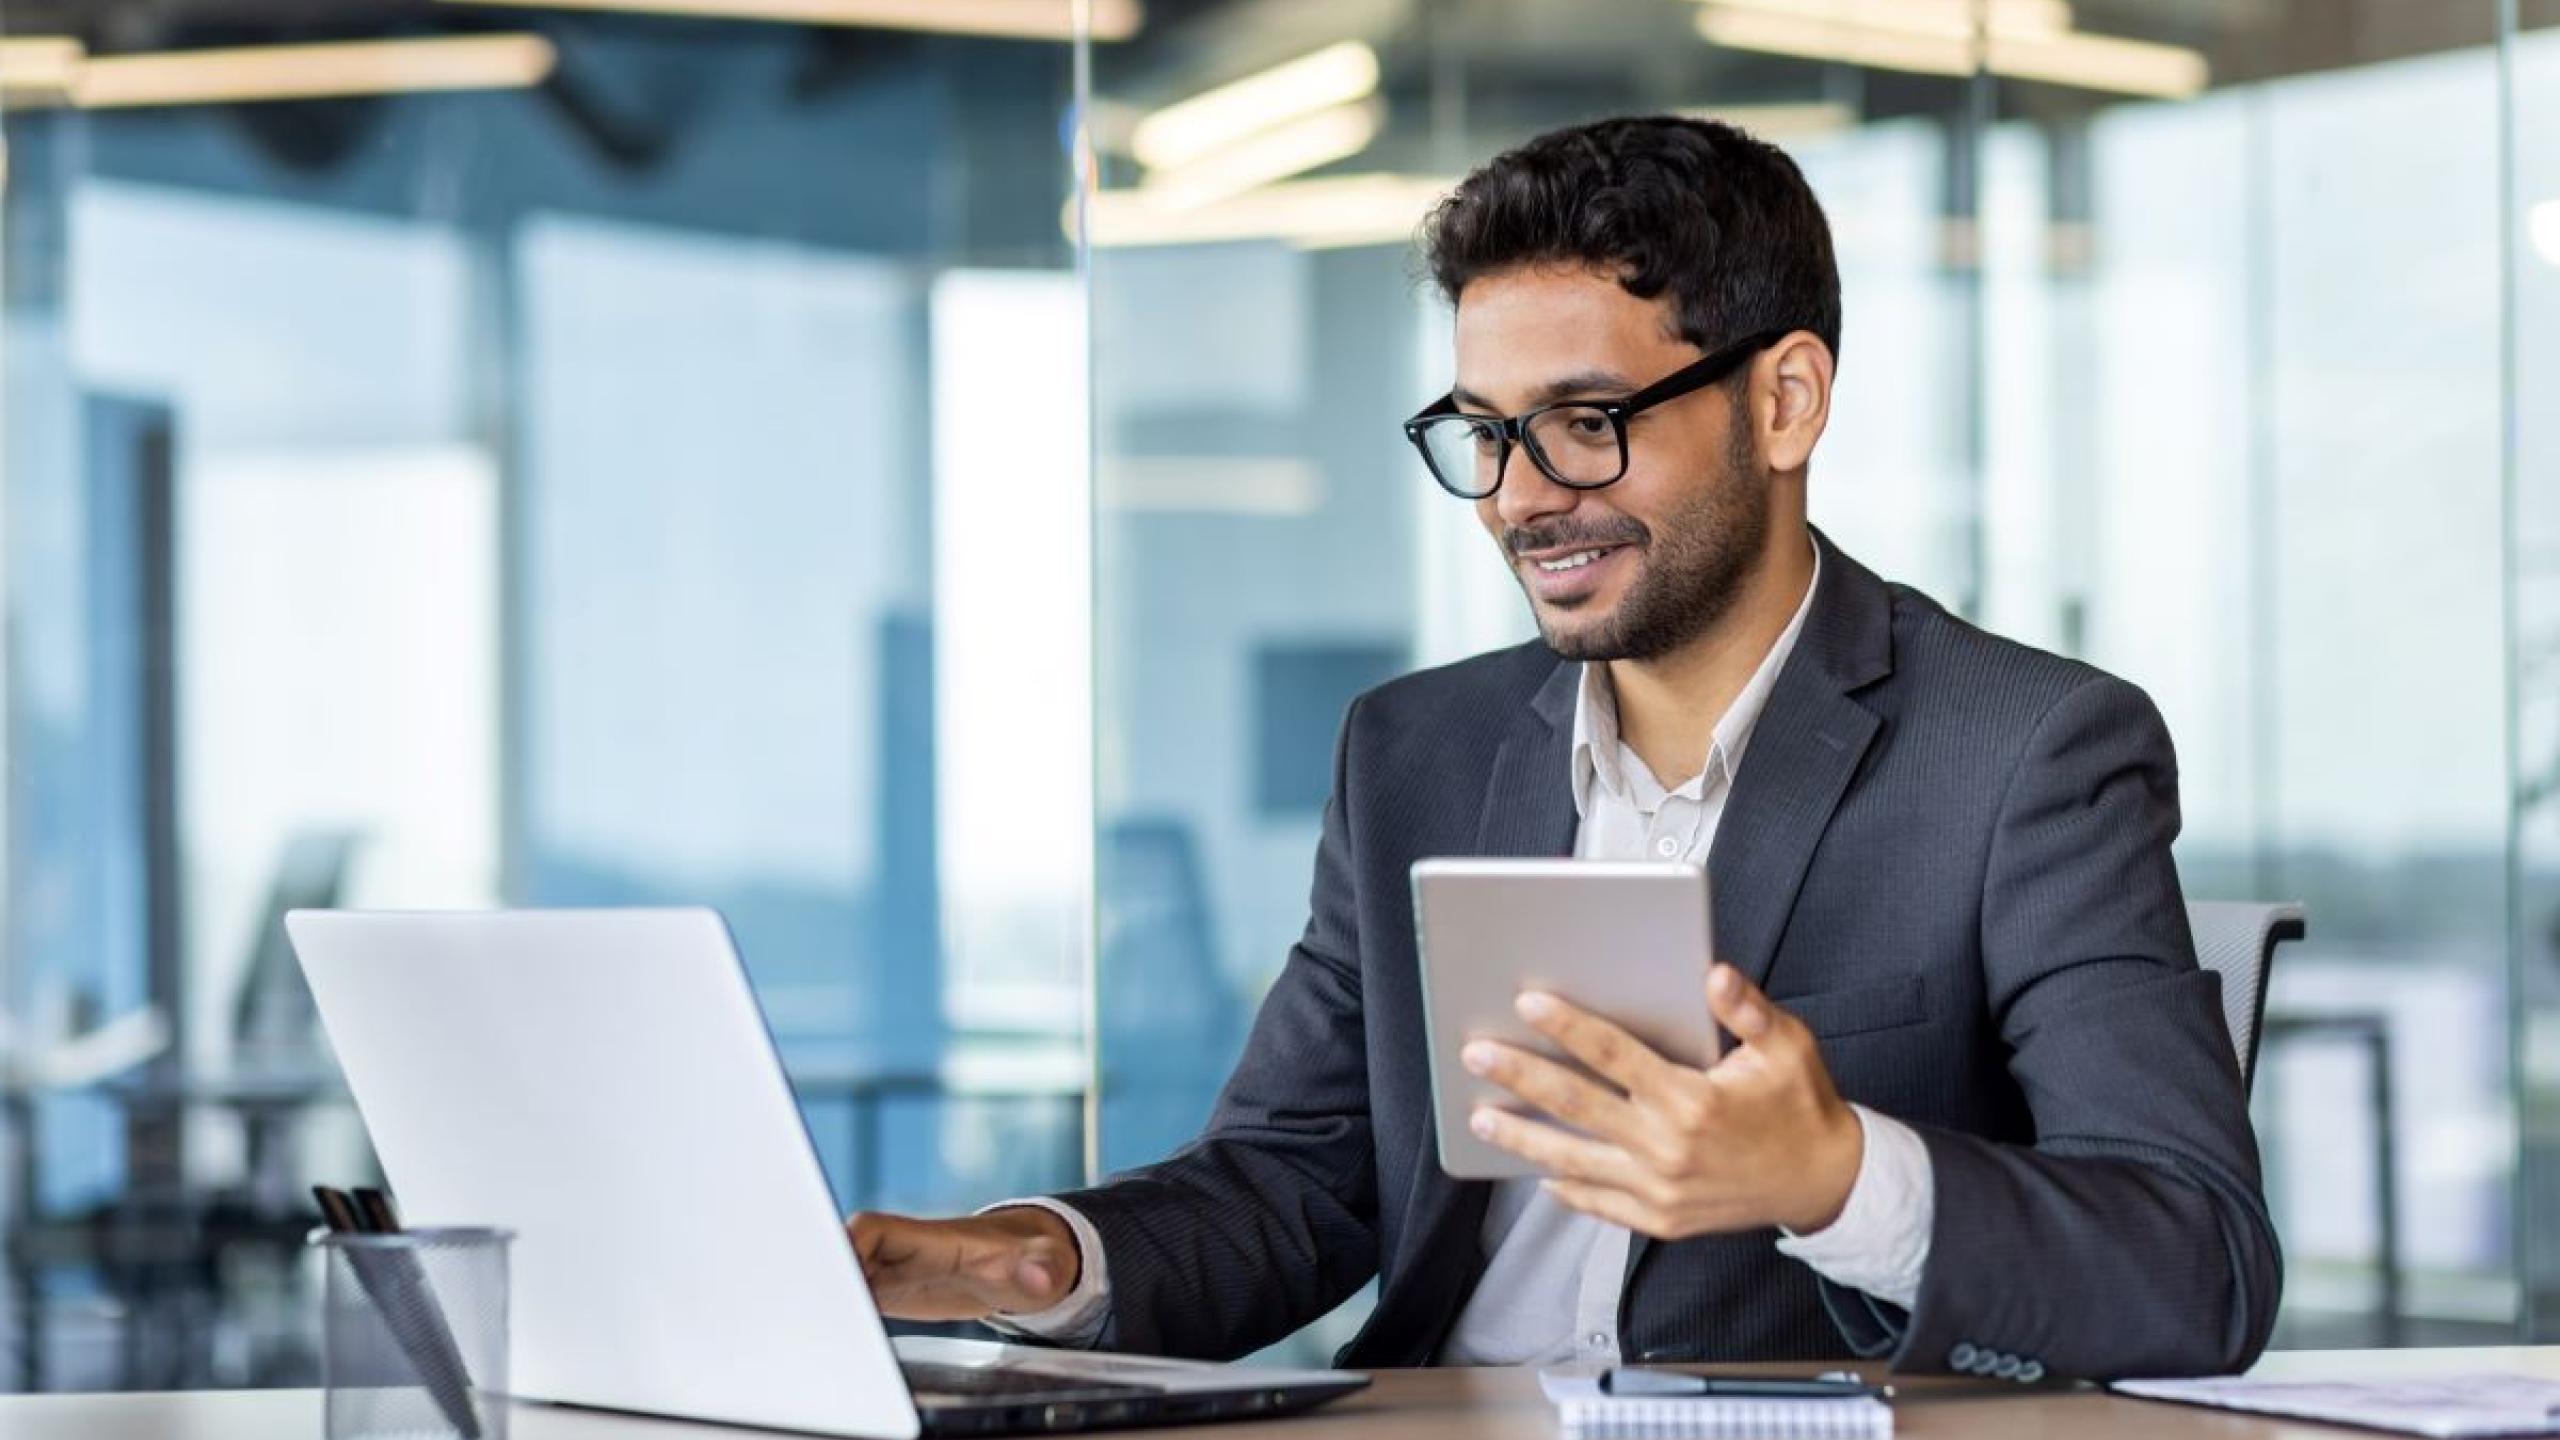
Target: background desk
1402	1405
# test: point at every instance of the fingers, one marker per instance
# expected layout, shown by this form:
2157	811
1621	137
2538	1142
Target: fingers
957	1269
1615	1206
1595	1042
872	1234
1572	1098
1554	1151
898	1253
1741	1008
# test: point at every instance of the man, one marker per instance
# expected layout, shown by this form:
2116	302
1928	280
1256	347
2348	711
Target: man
1981	1113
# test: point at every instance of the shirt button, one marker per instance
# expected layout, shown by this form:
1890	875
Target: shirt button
1597	1340
1666	847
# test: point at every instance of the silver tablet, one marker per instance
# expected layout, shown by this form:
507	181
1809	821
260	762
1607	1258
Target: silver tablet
1628	941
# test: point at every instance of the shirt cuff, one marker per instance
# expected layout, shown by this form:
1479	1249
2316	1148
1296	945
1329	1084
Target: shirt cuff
1880	1243
1077	1319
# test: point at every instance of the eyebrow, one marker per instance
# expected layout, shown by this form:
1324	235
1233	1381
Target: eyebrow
1579	384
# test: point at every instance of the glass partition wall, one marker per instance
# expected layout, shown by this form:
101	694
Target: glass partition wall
2529	215
558	473
2175	338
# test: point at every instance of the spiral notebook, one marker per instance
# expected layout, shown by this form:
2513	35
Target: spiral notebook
1590	1413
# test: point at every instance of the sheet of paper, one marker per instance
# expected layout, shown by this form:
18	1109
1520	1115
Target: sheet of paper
2441	1405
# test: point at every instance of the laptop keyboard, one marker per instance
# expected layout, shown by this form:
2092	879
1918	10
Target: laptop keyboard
978	1382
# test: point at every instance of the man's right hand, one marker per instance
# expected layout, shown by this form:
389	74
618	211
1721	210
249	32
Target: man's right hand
1013	1261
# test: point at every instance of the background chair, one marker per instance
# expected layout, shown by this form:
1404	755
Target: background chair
176	1258
2237	939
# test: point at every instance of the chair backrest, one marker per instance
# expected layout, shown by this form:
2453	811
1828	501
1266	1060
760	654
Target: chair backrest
2237	939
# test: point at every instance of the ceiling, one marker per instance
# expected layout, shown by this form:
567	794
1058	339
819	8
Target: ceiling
1500	64
2245	38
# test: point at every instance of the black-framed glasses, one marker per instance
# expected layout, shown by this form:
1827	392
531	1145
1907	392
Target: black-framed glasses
1580	444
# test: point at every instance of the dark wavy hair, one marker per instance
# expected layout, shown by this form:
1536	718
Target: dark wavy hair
1720	222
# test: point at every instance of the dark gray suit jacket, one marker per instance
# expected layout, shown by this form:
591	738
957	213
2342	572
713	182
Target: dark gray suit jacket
1947	853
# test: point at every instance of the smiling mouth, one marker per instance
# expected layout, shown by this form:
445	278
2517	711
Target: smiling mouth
1574	559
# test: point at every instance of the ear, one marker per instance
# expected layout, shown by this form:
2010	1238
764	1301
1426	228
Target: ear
1792	400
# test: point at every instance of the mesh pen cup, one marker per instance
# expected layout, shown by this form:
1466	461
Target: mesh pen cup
414	1334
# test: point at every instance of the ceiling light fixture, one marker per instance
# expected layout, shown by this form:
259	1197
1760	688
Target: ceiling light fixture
1291	148
1877	48
2100	62
2019	39
1215	118
999	19
312	72
1322	213
39	69
1944	19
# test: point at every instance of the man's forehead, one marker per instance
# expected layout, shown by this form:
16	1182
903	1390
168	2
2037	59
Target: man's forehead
1515	351
1544	314
1525	389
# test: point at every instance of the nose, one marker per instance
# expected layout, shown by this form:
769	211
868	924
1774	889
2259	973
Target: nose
1527	494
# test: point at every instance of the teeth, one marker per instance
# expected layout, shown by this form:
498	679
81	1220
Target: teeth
1571	562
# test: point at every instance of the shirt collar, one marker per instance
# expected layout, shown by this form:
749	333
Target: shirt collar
1596	748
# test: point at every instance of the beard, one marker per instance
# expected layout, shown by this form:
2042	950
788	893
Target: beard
1687	577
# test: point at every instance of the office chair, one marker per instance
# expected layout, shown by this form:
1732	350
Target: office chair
2237	939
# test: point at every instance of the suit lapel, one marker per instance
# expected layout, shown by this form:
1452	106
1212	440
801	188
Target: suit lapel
1527	811
1801	758
1802	755
1798	766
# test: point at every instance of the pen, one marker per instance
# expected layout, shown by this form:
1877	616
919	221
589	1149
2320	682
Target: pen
373	1210
398	1287
337	1210
1640	1380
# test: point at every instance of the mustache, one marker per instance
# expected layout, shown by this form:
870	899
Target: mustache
1516	541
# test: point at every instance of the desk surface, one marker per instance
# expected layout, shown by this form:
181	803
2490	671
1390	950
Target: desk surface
1407	1405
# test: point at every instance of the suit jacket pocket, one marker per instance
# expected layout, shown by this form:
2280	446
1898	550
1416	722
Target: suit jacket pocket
1859	1008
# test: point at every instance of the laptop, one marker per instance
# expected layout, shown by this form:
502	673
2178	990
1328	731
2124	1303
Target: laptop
602	1083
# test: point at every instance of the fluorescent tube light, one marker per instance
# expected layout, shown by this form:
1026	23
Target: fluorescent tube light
1771	33
2100	62
1002	19
310	72
1292	148
1213	119
39	69
1944	19
1333	210
2021	40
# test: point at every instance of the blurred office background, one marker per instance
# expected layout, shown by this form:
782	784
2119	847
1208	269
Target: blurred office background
899	472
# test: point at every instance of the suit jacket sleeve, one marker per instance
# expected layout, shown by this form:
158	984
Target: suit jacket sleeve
1269	1219
2132	1237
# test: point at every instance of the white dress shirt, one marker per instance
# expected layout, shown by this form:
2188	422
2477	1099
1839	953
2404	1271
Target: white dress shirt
1554	1277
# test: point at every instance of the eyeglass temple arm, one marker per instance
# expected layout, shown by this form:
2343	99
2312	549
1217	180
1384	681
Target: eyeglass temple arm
1704	371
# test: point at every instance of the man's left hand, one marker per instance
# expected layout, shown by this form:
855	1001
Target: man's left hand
1758	1138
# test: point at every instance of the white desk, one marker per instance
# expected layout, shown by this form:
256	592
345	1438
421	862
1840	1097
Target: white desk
1403	1405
